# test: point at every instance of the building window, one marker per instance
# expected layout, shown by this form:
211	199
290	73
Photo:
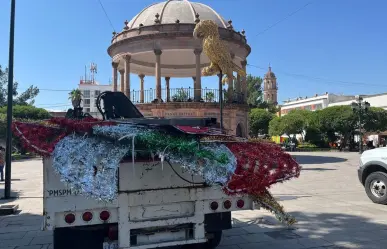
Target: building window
86	94
308	107
318	106
86	102
87	109
97	93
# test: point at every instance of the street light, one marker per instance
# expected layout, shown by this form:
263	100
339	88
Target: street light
360	107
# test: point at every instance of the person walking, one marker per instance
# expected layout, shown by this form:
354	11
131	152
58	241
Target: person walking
2	153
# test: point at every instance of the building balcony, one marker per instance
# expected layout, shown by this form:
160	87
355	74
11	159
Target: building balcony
185	95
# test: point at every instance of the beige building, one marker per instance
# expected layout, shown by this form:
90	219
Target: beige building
316	102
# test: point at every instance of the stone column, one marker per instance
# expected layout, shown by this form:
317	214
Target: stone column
141	87
158	53
122	81
127	75
238	87
230	82
167	88
194	89
243	82
198	76
115	76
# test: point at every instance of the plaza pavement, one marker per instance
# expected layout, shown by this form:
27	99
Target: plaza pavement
328	201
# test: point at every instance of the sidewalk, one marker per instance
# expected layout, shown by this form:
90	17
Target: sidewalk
23	231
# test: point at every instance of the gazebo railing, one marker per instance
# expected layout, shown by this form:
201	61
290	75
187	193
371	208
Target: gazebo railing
185	95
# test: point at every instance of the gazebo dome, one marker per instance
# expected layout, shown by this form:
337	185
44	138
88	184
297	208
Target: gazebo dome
167	28
170	11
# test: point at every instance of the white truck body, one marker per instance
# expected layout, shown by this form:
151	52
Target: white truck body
154	208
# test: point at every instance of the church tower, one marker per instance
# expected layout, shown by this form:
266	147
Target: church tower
270	88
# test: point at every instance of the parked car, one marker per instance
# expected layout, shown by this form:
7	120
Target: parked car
372	173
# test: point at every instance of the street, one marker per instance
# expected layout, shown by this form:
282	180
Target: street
328	201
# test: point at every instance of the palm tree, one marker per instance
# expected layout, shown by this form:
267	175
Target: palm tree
75	97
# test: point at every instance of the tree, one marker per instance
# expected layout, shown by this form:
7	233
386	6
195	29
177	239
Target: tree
27	112
254	91
276	127
25	98
375	120
76	97
293	124
337	119
180	96
259	121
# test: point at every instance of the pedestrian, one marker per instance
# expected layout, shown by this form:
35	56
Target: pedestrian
2	153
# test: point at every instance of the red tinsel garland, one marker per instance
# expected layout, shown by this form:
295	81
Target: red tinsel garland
38	138
42	138
260	165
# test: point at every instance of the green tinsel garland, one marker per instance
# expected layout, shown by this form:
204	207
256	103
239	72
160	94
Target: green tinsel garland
185	146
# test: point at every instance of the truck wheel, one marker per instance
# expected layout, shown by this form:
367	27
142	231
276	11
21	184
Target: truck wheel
375	187
214	242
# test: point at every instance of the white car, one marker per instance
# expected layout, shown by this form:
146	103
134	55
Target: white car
372	173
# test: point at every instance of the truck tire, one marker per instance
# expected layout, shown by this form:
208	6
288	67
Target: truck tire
214	242
375	187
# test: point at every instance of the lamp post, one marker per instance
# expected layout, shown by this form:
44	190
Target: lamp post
360	107
8	147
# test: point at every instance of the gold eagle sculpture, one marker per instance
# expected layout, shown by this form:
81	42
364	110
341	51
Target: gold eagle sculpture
216	50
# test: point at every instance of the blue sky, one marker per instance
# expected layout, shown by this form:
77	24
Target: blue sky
336	46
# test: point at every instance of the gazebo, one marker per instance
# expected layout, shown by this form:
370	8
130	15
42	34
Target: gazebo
159	42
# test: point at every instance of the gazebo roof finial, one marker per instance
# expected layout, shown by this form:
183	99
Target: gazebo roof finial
157	20
126	27
197	19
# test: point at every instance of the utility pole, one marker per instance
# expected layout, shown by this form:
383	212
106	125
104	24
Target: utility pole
360	108
8	152
220	75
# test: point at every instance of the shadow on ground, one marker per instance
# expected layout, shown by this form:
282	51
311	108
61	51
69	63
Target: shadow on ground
316	169
313	230
14	195
23	231
304	159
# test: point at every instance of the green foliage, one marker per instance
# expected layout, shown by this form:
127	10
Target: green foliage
337	119
254	91
324	126
24	98
75	94
276	127
292	124
375	120
27	112
259	121
180	96
306	145
210	96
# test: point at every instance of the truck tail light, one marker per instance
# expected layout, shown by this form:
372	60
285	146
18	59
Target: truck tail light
104	215
240	203
69	218
214	205
113	232
227	204
87	216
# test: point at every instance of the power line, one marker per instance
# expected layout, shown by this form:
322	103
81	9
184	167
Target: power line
54	104
103	8
319	79
283	19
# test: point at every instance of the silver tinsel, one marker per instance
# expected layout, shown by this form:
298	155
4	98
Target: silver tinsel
211	170
119	131
89	165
